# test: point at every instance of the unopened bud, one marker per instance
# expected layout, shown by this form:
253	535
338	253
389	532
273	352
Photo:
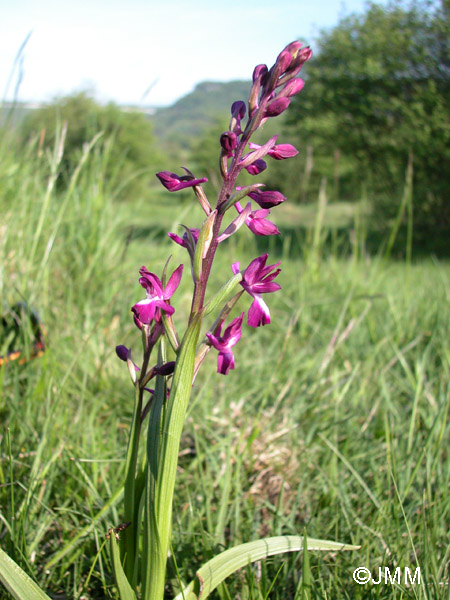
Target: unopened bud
260	73
238	110
228	141
292	87
267	199
257	167
276	107
165	369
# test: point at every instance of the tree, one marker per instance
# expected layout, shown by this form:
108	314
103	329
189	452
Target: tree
379	90
132	148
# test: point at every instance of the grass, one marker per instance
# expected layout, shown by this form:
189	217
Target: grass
333	424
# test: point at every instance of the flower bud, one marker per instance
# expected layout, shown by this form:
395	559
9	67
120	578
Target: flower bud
278	152
283	61
124	354
267	199
228	141
293	48
257	167
238	109
283	151
292	87
260	73
165	369
298	61
276	107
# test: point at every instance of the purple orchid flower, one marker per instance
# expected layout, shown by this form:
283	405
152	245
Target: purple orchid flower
184	241
267	199
147	310
278	152
257	280
257	223
225	343
174	182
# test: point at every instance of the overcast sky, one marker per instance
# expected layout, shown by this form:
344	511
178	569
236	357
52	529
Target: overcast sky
141	52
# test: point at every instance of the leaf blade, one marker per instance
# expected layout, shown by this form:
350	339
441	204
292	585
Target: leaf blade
125	590
216	570
17	582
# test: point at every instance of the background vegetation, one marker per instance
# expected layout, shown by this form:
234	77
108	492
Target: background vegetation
335	421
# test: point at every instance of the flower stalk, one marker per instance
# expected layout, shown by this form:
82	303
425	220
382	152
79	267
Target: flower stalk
149	491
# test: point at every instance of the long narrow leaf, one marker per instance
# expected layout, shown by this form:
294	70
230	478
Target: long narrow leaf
125	590
221	566
17	582
159	507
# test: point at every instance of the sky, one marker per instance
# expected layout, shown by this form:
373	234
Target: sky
151	53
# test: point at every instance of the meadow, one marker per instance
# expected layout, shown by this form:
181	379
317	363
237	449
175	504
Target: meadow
333	425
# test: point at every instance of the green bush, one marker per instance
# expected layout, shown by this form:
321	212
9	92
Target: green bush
380	91
127	139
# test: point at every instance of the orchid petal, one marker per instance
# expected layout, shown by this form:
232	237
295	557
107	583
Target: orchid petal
144	311
173	283
258	314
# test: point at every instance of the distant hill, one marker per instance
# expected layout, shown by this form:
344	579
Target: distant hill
186	119
195	112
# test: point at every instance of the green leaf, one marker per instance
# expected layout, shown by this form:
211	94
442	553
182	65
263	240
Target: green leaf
164	460
125	590
220	567
17	582
306	573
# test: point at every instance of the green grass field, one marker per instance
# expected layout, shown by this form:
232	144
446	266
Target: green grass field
334	423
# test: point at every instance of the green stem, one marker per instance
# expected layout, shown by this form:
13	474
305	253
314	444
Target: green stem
130	534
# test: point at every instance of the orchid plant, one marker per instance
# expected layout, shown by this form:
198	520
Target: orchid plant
139	557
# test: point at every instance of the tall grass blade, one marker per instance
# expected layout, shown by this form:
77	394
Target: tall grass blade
405	204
